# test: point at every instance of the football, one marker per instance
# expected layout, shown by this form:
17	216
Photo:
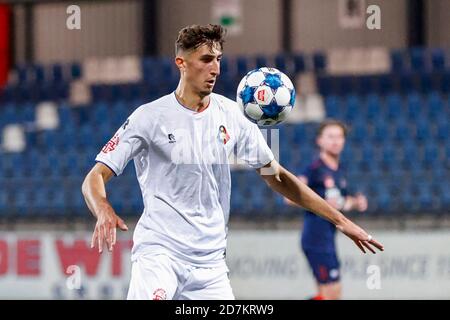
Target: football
266	96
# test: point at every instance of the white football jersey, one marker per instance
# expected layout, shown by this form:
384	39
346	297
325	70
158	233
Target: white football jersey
182	165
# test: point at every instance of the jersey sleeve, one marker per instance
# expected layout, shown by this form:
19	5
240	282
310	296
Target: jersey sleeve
252	148
128	141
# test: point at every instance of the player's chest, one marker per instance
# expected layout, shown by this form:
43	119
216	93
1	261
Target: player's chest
189	141
329	180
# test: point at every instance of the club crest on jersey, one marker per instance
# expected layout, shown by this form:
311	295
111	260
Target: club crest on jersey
329	182
111	144
223	134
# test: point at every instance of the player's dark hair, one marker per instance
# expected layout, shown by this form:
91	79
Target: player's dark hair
193	36
332	122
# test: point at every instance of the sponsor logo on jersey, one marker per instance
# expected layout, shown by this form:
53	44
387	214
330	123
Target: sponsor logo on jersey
223	134
171	138
111	144
159	294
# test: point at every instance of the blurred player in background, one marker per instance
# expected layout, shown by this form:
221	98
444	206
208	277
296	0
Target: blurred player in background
326	177
180	145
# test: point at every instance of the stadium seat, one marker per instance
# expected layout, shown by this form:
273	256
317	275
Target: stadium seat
438	59
261	61
75	70
373	107
417	59
242	65
319	61
299	63
281	63
397	61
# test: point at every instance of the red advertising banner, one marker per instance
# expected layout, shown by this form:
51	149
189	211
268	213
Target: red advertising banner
5	43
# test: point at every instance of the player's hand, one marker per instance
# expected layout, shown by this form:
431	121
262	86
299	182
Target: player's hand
105	229
360	202
359	236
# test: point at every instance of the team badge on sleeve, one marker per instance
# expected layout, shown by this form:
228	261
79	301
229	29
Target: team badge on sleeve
111	144
223	134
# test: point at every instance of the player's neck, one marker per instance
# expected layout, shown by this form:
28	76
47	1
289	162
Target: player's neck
191	100
330	160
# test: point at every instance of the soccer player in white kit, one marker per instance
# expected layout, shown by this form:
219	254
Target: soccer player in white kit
181	145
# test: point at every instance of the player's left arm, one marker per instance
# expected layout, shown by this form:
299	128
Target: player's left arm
288	185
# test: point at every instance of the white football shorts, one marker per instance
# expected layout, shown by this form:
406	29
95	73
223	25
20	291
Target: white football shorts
159	277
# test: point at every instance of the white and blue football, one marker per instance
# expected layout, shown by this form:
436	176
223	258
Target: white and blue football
266	96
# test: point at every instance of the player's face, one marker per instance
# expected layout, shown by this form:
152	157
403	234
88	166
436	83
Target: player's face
201	68
332	140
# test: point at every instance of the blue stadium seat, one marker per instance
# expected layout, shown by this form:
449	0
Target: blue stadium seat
422	130
22	74
332	106
373	107
9	115
417	59
26	113
402	131
442	131
299	63
365	85
407	82
445	82
58	202
319	61
438	59
384	84
397	61
21	202
427	82
358	133
281	63
383	199
431	155
57	73
381	132
434	105
4	201
325	86
261	61
242	65
409	153
425	200
414	106
389	156
393	105
75	70
344	85
354	107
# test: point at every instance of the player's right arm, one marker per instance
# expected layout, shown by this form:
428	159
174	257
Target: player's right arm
94	192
